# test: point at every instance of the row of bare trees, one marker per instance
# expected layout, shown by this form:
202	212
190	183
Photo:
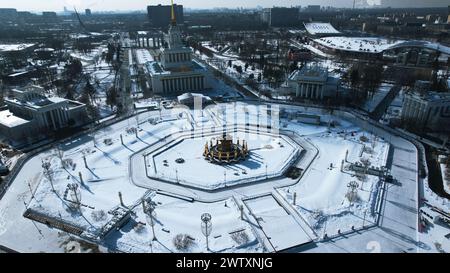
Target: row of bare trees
363	79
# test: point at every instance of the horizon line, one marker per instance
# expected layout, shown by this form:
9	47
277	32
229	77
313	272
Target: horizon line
144	10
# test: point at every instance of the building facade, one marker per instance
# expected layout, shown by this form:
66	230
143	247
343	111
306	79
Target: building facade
427	110
314	83
30	113
177	72
8	14
159	15
312	8
281	17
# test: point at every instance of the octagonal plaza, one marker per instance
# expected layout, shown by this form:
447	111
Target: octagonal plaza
270	156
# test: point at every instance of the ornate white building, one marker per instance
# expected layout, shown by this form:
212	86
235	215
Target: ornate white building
177	72
29	114
427	110
313	82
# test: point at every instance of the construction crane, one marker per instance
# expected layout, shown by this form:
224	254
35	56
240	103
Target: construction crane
81	22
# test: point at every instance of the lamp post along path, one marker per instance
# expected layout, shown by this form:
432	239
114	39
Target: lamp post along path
206	227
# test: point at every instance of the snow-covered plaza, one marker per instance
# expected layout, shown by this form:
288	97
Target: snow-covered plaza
302	175
270	156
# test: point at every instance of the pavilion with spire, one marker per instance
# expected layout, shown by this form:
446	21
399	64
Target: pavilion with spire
177	72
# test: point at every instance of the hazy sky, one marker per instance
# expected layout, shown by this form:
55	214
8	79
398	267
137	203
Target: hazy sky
100	5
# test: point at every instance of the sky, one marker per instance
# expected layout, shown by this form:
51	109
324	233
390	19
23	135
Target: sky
112	5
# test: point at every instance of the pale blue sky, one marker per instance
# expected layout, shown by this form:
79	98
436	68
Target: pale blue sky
100	5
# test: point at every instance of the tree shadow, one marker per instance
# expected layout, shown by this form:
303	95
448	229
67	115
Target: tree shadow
107	155
405	238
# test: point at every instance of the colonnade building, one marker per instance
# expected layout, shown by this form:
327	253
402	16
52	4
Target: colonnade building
29	113
149	39
177	72
427	110
313	82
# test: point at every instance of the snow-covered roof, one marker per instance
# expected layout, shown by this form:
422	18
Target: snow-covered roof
357	44
143	56
78	36
310	73
14	47
425	44
155	68
44	49
320	28
31	98
190	96
8	119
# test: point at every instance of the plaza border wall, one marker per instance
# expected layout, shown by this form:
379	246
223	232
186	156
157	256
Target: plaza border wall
293	158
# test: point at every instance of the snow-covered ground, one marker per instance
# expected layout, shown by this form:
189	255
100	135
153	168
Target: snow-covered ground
328	215
322	198
175	216
102	76
143	56
105	176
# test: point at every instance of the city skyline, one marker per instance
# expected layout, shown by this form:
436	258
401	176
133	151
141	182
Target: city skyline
116	5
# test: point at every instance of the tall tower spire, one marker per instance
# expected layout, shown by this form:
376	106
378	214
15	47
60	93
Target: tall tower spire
173	19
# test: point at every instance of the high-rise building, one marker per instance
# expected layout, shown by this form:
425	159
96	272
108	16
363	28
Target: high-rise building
159	15
88	12
49	14
448	18
313	8
8	14
281	17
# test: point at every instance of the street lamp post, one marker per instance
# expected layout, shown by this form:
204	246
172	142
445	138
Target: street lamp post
206	227
150	214
353	185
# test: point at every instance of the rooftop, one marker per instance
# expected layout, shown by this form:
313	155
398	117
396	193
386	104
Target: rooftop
310	73
33	98
358	44
432	96
156	68
187	96
320	28
14	47
8	119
